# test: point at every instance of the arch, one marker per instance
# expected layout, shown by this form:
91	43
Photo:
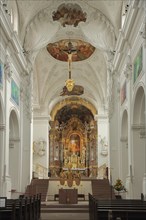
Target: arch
138	139
14	149
138	101
124	144
69	101
73	139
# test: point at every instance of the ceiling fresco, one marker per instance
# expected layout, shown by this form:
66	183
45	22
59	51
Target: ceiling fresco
80	50
79	111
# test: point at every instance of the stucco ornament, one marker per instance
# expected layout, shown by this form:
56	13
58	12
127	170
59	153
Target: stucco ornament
104	145
35	38
100	32
39	147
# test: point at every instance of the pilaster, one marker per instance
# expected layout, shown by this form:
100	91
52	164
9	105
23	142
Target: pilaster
143	131
2	130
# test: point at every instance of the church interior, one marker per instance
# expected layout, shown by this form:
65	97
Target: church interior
73	101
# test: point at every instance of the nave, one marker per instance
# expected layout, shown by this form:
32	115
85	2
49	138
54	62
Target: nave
72	106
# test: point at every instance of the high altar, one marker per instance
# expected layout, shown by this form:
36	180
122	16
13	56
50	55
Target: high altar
73	142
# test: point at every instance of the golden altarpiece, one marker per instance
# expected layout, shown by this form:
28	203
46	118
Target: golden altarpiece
73	142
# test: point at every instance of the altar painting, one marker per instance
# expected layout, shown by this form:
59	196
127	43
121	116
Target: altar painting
74	152
74	145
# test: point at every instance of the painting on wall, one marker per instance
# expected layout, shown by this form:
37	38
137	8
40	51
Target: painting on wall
137	65
123	93
15	92
1	74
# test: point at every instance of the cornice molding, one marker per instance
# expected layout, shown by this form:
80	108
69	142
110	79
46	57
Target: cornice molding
12	37
137	126
124	35
42	117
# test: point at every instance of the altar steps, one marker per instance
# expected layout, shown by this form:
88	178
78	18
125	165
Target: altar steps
38	186
58	211
65	216
65	208
101	189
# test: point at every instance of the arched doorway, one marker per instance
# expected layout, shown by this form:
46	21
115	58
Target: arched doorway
73	141
124	145
14	151
138	141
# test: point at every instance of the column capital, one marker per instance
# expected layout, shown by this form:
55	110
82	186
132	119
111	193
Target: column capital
101	117
42	117
2	127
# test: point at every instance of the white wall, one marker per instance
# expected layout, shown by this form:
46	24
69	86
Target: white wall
40	132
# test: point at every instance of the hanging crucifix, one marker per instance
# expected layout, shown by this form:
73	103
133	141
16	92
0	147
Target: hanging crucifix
70	88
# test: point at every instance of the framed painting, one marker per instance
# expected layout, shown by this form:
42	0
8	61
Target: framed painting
138	64
15	92
74	144
123	93
1	74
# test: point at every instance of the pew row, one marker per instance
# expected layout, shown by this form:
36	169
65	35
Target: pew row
116	209
24	208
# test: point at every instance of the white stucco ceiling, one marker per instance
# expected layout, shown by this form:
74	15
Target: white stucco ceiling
37	29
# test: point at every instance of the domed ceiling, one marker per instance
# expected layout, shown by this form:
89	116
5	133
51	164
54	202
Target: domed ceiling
48	27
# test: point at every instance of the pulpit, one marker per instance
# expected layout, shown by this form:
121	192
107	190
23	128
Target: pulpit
68	196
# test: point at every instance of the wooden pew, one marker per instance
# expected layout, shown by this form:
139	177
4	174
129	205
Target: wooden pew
22	209
112	209
7	212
